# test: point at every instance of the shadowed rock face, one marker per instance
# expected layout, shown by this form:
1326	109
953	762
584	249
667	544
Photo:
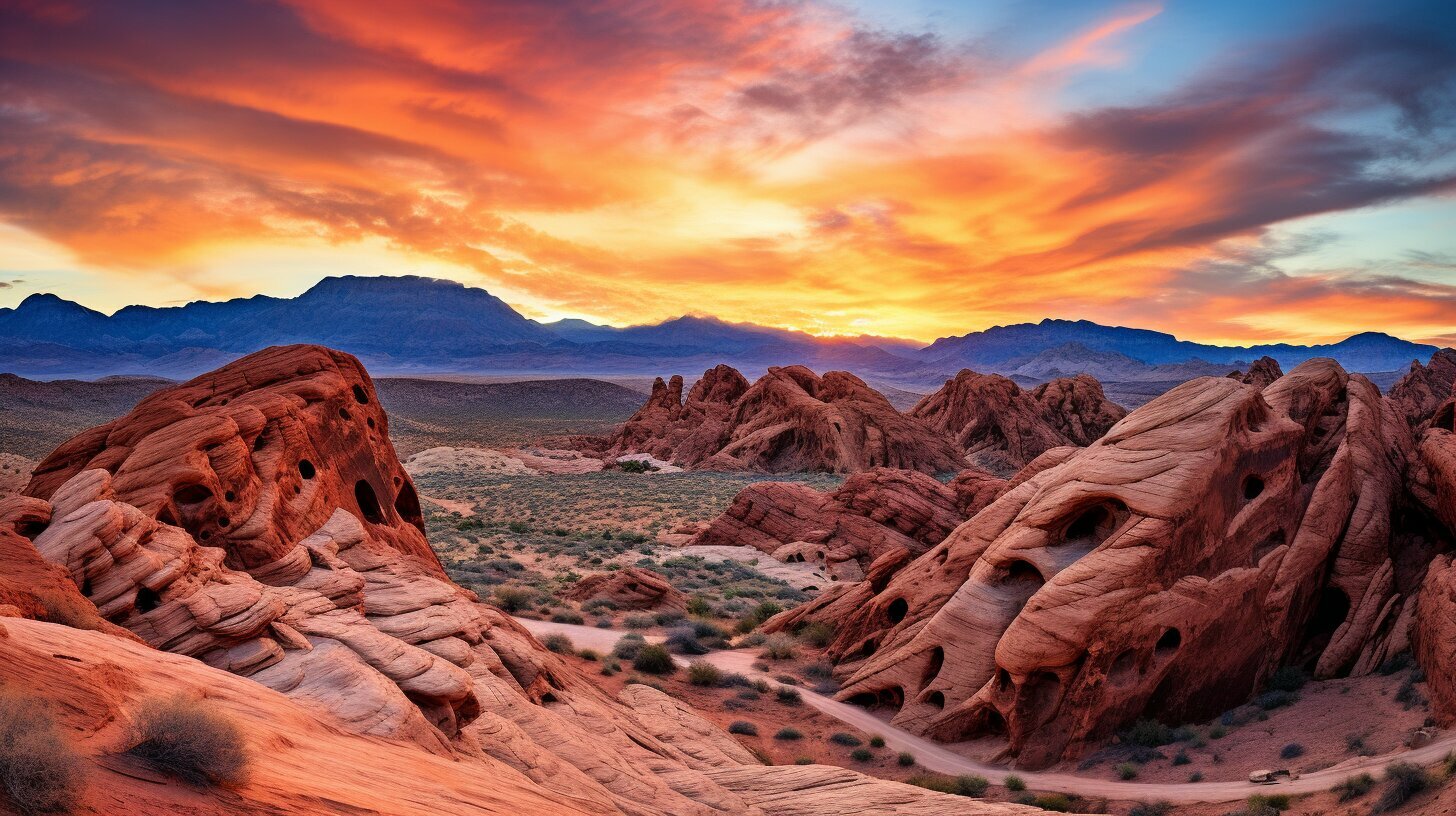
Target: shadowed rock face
1077	408
1264	371
1425	387
790	420
1211	536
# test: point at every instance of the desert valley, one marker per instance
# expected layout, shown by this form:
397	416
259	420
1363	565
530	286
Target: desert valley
783	595
727	408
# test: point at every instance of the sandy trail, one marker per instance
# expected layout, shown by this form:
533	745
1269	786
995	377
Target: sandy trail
937	757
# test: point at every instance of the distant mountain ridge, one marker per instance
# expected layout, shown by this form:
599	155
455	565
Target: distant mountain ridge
415	325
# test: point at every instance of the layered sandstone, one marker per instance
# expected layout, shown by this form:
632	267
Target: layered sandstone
630	588
790	420
1077	408
1426	386
1213	535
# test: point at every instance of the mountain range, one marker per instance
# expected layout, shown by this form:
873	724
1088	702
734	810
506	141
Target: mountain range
414	325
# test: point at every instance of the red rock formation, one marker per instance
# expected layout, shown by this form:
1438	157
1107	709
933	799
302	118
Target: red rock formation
1264	371
999	426
1216	534
1077	408
630	588
1434	636
790	420
874	512
1422	390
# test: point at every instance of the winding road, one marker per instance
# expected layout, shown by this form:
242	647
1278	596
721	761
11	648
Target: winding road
936	757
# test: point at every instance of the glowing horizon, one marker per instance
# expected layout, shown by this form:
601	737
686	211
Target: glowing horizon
843	170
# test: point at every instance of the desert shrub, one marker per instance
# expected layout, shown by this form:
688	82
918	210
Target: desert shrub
589	654
1148	733
1354	787
667	618
560	644
628	646
970	785
935	782
761	686
789	696
39	770
514	599
1014	783
1275	698
1181	758
635	466
1402	781
788	733
787	679
1150	809
568	616
1396	663
752	639
1054	802
698	605
654	659
196	744
817	634
1196	776
1288	678
683	641
704	674
747	729
1262	802
845	739
735	680
905	759
804	761
1126	770
861	755
604	623
1218	731
638	621
1291	751
779	647
821	669
599	605
1355	744
877	741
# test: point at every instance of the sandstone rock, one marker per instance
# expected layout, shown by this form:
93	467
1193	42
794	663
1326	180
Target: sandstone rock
1215	534
998	426
630	588
1434	637
817	790
790	420
873	512
1261	373
1425	387
1078	409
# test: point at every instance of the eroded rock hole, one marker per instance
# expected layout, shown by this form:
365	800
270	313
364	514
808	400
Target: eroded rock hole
192	494
359	395
1170	640
345	415
936	699
260	442
932	668
1123	666
407	504
1253	486
1329	614
306	469
368	501
1085	526
223	521
369	421
1024	572
230	496
147	599
1445	417
895	612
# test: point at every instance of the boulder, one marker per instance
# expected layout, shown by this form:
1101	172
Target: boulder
998	426
1077	408
630	588
1261	373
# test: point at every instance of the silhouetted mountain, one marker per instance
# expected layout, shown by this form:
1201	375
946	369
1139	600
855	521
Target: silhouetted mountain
413	325
998	347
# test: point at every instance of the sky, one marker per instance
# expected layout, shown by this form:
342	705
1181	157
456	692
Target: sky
1231	172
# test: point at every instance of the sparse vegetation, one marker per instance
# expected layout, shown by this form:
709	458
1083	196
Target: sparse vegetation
1354	787
861	755
905	759
1126	770
845	739
1291	751
704	674
188	740
1014	783
1402	781
560	644
1150	809
747	729
789	696
1264	802
877	741
40	771
654	659
779	646
789	733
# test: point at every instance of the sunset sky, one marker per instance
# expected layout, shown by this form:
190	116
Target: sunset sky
1227	171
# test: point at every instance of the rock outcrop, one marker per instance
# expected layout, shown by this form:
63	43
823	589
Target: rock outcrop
1213	535
875	512
1261	373
630	588
1001	428
790	420
1425	387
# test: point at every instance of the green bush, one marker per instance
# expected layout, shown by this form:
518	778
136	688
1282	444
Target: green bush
1014	783
1054	802
1148	733
816	634
789	696
788	733
1196	776
1275	698
514	599
698	605
861	755
654	659
1150	809
560	644
804	761
628	647
639	621
196	744
971	785
877	741
1182	758
905	759
747	729
845	739
704	674
1270	801
1288	678
1126	770
39	770
1218	731
1291	751
935	782
1354	787
589	654
568	616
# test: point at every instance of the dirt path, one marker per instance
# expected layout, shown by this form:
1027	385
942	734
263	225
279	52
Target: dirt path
937	757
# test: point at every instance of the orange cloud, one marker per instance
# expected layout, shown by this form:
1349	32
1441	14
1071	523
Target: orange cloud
777	163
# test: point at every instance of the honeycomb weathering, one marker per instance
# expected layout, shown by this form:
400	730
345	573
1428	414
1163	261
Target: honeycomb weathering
1210	537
